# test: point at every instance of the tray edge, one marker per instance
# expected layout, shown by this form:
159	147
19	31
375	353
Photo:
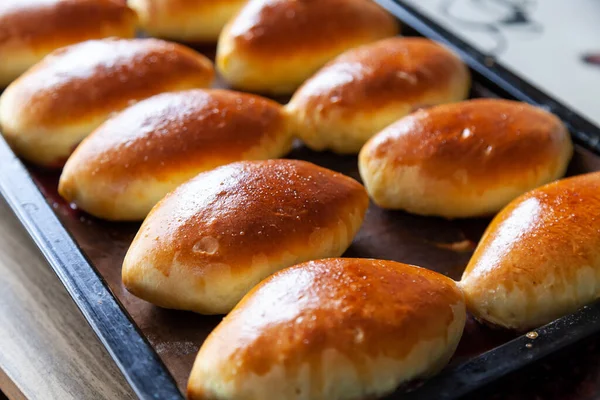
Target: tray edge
132	353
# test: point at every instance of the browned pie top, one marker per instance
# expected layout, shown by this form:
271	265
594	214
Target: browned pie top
275	27
553	230
394	69
48	23
103	75
161	9
174	132
484	139
361	308
225	217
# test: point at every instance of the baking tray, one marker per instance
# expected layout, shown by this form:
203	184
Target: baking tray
155	348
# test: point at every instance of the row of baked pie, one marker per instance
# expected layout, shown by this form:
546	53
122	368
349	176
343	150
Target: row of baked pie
270	46
31	29
457	160
339	328
333	328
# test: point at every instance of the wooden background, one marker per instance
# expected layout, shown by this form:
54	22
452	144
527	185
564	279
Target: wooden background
47	349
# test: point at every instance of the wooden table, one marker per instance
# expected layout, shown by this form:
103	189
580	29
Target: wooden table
48	351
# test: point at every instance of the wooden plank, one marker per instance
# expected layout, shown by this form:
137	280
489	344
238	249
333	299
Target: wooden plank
47	349
10	388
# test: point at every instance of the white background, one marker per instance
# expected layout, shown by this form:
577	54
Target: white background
549	57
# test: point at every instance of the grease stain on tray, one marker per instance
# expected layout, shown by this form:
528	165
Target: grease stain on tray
177	348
